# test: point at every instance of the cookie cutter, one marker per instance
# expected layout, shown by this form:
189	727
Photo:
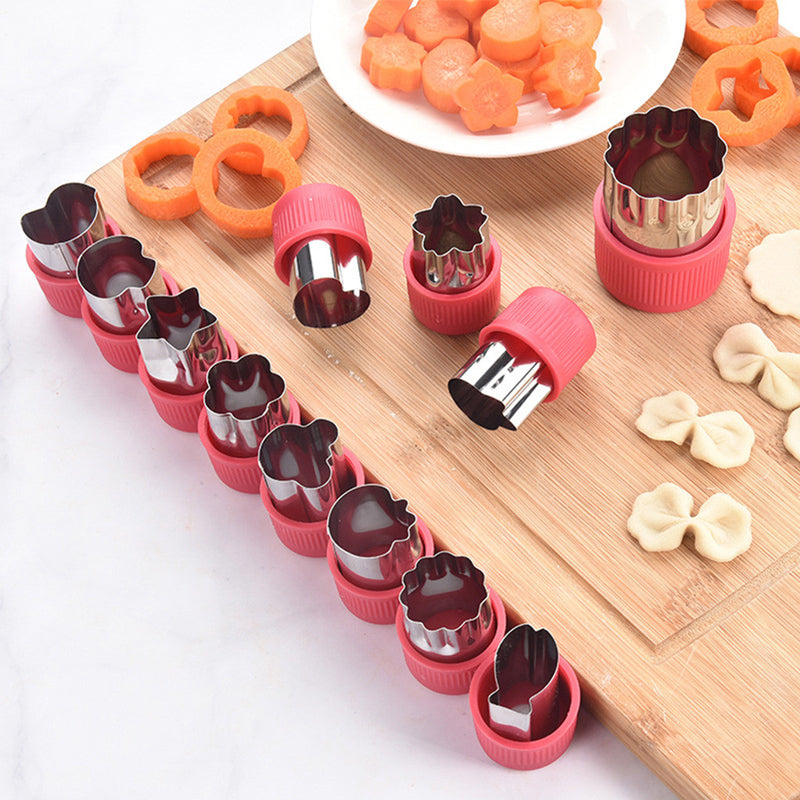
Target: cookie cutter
117	278
70	221
663	213
375	538
180	341
451	240
244	401
305	469
524	705
322	253
526	356
452	267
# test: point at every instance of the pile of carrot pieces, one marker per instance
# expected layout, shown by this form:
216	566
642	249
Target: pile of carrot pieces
477	58
759	61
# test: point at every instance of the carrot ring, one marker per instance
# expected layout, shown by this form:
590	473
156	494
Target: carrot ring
154	201
269	101
276	162
747	91
769	116
705	38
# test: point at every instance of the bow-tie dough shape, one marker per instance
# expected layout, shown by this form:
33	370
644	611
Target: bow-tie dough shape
745	353
722	439
791	439
661	518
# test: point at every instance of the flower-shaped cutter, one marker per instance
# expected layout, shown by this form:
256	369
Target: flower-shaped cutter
180	342
375	538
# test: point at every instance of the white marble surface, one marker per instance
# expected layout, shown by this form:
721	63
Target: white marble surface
156	640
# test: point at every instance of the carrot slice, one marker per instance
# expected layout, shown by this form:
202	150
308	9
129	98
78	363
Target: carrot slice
469	9
580	3
386	16
769	116
748	91
576	25
276	162
443	68
270	101
510	31
487	97
154	201
567	74
393	61
519	69
430	25
705	38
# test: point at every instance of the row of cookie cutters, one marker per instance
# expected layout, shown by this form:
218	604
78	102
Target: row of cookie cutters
380	554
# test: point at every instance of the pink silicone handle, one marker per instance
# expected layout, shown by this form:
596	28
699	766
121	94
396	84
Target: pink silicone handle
459	313
378	607
316	209
661	283
547	324
524	755
450	677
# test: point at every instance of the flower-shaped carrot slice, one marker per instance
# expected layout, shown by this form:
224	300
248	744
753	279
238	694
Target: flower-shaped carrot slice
567	74
705	38
469	9
430	25
386	16
393	61
443	68
488	98
581	3
519	69
577	25
769	116
510	31
748	91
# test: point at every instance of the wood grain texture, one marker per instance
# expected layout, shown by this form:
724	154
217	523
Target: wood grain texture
694	665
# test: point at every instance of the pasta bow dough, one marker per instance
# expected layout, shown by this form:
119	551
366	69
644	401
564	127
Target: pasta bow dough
745	354
661	518
722	438
773	272
791	439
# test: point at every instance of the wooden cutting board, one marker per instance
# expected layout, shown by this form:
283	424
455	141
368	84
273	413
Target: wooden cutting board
694	665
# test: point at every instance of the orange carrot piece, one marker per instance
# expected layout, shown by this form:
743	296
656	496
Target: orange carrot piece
510	31
487	97
519	69
769	116
386	16
576	25
567	74
705	38
430	25
747	91
443	68
393	61
580	3
469	9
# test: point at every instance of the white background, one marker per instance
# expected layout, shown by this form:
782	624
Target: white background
156	640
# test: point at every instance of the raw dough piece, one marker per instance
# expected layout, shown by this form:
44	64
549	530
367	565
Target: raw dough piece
791	439
745	353
773	272
661	518
723	438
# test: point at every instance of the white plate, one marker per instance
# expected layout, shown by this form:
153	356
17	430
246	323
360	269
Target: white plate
636	50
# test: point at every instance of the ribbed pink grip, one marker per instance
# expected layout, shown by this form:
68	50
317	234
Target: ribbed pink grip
524	755
661	283
459	313
316	209
550	325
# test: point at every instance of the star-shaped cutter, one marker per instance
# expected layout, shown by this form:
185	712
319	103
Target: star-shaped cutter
375	537
451	242
71	220
180	341
305	469
244	401
447	611
117	278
